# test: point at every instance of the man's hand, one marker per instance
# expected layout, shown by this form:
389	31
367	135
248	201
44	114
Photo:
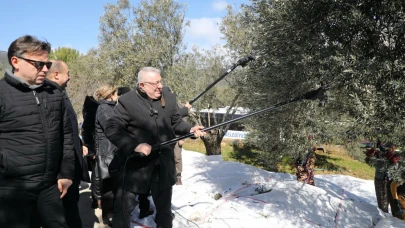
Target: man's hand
144	148
188	105
197	131
85	150
180	142
63	185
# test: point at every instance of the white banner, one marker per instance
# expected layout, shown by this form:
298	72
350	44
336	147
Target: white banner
236	134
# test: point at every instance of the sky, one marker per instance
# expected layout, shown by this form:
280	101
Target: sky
75	23
252	197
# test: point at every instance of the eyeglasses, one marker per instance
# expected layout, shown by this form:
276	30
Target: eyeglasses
154	84
37	64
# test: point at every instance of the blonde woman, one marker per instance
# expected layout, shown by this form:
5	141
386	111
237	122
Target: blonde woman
106	96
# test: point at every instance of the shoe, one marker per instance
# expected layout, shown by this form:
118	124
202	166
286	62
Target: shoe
179	181
144	214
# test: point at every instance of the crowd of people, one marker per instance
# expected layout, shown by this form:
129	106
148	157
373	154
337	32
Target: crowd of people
43	156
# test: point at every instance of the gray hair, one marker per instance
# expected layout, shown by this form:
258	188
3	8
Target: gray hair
143	70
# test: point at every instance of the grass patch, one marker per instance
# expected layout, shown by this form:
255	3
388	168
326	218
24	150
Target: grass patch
197	145
334	161
242	155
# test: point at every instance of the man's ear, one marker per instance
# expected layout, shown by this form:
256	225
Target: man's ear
141	85
14	62
56	75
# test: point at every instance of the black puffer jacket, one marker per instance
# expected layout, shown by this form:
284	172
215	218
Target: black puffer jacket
139	119
81	169
105	149
36	145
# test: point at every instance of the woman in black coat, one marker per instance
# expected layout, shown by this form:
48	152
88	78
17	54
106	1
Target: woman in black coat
107	97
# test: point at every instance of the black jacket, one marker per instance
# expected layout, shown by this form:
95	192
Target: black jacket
81	169
105	149
36	145
89	123
138	119
183	111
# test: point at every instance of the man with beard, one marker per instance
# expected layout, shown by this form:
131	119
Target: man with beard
59	75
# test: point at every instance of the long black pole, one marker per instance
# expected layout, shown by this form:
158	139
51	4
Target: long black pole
242	62
313	94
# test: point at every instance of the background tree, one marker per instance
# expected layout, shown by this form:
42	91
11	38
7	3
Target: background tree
147	35
87	74
355	47
130	38
190	75
64	53
4	62
237	29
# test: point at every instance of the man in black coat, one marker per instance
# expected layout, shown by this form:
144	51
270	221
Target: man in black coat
36	148
58	74
144	117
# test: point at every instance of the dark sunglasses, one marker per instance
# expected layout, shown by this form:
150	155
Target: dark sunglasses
37	64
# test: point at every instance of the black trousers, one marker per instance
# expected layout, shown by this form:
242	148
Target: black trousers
22	208
163	202
70	204
107	198
125	202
